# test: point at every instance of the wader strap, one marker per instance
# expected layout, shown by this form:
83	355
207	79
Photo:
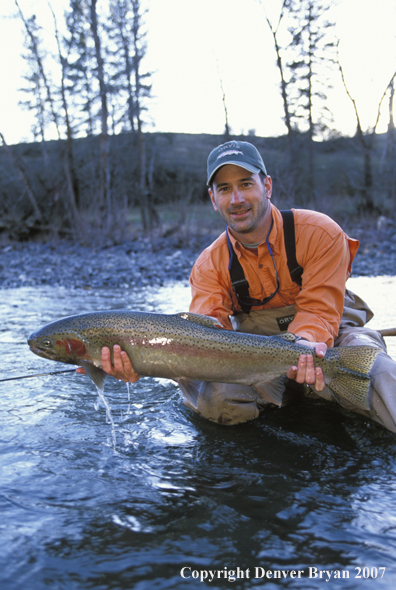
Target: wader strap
290	244
238	280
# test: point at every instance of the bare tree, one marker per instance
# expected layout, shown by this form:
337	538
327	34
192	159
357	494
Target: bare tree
283	83
68	157
227	130
129	80
141	90
48	110
31	32
388	159
366	141
104	186
36	95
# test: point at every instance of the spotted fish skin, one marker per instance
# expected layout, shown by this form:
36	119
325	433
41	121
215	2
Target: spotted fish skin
191	346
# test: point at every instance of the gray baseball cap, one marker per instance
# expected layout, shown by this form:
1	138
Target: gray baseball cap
240	153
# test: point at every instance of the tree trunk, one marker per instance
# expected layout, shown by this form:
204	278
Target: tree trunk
105	192
311	127
285	100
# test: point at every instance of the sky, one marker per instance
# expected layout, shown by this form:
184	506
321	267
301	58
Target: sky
194	46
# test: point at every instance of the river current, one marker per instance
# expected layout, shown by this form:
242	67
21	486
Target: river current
167	500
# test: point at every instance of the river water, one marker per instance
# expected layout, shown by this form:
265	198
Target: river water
309	488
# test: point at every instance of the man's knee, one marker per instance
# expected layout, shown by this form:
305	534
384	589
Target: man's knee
226	403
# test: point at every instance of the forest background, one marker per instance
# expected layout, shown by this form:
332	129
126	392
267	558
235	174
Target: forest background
94	171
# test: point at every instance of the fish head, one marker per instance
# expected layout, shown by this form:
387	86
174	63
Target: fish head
65	347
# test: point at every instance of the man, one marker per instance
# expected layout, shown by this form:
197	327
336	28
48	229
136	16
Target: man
318	311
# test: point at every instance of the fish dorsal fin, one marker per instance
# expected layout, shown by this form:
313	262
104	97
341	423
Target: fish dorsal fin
97	375
202	320
288	336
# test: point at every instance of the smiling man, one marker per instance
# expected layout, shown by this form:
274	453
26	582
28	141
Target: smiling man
243	201
272	272
269	273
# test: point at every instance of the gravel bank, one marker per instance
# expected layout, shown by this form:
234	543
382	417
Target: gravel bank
71	265
144	262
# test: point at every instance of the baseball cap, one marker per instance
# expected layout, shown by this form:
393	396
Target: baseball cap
240	153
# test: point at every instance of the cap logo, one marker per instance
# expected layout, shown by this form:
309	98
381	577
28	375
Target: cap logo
229	153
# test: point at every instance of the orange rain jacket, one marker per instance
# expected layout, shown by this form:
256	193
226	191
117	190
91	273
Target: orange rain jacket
324	252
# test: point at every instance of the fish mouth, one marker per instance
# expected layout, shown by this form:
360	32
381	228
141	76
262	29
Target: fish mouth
47	354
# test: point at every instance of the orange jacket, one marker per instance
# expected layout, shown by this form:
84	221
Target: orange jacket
324	252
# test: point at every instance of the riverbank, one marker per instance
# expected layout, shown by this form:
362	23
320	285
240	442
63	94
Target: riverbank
150	261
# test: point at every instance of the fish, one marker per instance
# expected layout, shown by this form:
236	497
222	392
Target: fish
193	347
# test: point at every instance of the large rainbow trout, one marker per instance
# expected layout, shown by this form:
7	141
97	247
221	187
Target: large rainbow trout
188	346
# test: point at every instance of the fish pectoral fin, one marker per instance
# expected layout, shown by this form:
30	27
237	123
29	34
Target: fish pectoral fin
96	374
202	320
273	391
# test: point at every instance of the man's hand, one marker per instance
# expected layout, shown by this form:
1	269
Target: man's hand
122	368
306	372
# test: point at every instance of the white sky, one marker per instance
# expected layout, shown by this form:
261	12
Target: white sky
192	44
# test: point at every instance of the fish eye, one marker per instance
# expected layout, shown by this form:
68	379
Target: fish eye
47	342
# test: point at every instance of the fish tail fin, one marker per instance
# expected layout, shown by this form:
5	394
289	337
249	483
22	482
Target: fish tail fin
352	383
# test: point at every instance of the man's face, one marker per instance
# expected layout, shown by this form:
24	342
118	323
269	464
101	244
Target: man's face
243	202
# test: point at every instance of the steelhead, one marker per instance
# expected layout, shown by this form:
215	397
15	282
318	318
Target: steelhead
187	346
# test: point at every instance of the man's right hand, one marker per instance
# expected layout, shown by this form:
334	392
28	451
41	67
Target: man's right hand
122	368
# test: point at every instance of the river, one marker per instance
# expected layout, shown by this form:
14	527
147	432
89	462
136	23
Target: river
169	500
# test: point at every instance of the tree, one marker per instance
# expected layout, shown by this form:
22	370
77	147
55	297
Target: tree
313	45
104	169
366	141
387	167
69	165
80	76
97	67
35	91
302	52
46	104
129	80
283	83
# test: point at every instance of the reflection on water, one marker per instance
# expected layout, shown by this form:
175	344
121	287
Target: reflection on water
306	486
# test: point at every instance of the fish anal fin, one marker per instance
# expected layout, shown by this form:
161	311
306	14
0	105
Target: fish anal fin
272	391
191	390
96	374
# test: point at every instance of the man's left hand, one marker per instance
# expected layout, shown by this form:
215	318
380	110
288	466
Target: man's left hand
306	372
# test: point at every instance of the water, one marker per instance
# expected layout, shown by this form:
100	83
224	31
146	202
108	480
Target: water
309	486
